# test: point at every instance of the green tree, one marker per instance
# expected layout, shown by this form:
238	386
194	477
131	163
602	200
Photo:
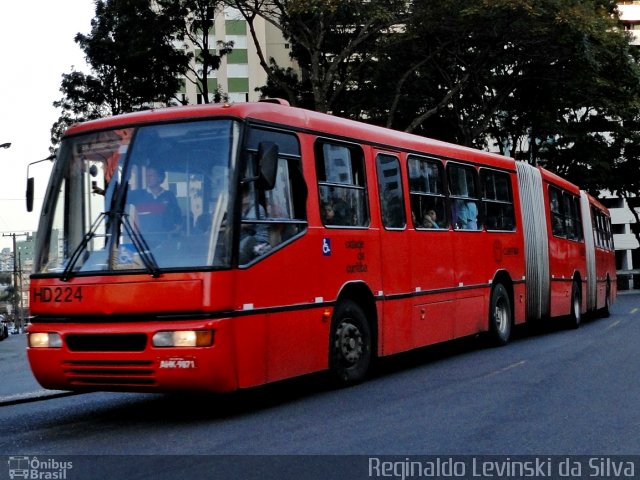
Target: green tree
6	278
133	62
554	82
9	294
464	70
333	42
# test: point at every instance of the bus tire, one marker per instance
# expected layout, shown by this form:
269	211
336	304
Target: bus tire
350	344
500	316
575	316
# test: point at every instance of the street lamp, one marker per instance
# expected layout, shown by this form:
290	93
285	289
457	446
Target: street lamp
5	145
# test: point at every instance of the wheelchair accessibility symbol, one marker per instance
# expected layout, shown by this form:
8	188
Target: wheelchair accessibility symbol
326	247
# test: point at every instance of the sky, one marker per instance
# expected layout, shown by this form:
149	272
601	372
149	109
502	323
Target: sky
36	48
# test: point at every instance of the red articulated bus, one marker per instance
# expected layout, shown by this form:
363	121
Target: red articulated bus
217	247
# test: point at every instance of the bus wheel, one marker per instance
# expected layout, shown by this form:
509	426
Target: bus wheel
349	344
575	317
499	316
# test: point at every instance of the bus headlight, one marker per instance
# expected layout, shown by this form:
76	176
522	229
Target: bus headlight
45	340
184	338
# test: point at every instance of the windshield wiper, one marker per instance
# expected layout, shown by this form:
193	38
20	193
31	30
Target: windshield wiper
138	241
80	249
141	246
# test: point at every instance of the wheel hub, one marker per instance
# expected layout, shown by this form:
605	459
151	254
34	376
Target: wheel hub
349	342
500	315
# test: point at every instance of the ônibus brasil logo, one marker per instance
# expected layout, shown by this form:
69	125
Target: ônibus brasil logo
38	469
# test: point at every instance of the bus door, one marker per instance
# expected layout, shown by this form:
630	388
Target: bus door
396	255
566	249
271	274
472	250
430	252
591	238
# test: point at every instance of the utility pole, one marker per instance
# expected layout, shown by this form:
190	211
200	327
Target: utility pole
18	318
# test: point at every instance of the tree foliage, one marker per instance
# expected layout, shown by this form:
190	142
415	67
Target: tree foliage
9	294
333	42
133	62
195	24
549	81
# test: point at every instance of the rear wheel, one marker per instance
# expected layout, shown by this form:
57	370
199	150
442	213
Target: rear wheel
575	317
500	317
350	344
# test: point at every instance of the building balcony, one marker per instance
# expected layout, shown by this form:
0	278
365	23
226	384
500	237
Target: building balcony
629	13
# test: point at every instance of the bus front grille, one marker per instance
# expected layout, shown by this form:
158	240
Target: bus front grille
129	342
110	372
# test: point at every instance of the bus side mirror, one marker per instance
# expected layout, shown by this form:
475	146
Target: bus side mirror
30	186
267	164
30	181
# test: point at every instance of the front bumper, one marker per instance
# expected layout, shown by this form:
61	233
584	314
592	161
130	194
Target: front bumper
121	357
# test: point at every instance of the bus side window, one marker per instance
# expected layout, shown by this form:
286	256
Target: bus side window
569	217
497	200
601	229
390	191
281	211
341	184
608	234
595	221
556	207
463	187
574	218
428	205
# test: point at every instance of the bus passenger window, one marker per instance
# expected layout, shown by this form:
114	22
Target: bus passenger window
428	205
463	187
556	207
573	218
390	191
601	229
497	200
566	220
341	185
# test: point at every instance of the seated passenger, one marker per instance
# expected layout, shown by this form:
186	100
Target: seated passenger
327	213
467	215
430	219
342	213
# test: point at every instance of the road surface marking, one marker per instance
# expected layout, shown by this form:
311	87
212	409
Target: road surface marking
507	368
614	324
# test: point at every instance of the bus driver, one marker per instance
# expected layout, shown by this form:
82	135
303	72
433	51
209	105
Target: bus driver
156	208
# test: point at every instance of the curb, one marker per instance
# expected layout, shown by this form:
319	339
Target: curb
34	397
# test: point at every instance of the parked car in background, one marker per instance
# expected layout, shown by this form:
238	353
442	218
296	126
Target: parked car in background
4	329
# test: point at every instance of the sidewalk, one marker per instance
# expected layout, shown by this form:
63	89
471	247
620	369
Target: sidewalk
18	384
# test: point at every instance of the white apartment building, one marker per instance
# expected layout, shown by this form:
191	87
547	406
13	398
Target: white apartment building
630	15
240	72
626	244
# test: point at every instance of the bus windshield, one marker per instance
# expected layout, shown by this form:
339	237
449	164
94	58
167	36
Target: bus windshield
142	198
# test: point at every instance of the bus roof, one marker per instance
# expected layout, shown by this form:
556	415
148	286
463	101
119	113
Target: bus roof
596	203
304	120
558	181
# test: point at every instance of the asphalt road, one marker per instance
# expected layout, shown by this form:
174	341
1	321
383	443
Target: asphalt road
549	392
